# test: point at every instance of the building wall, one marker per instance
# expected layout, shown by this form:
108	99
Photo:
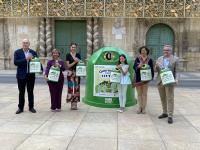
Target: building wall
187	37
127	39
191	44
1	44
4	45
17	30
186	32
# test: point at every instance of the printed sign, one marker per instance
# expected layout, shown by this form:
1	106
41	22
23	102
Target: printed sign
115	77
35	67
167	77
102	86
145	75
80	70
54	74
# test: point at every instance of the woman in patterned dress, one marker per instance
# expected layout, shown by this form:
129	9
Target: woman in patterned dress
73	95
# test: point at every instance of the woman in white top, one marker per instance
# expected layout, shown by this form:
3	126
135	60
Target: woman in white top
124	81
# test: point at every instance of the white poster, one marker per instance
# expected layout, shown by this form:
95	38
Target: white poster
118	36
102	86
118	29
35	67
22	29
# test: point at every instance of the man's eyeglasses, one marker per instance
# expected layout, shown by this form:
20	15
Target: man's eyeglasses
73	47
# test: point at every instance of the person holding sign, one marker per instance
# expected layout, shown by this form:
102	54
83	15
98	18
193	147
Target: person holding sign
22	58
72	60
144	72
167	66
124	81
55	79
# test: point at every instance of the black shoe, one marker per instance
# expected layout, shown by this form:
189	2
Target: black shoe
32	110
170	120
19	111
163	116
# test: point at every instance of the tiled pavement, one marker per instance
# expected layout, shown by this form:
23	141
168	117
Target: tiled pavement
91	128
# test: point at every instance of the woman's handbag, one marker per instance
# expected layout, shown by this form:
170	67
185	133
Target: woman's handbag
54	74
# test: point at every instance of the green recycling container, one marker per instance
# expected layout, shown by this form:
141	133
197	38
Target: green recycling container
100	91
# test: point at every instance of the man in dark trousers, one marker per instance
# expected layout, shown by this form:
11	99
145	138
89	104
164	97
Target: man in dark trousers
22	58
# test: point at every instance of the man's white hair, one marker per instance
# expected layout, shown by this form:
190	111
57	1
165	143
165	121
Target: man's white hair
26	40
169	47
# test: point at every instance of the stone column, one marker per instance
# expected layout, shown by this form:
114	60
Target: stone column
89	37
1	44
6	47
96	34
42	38
48	37
42	41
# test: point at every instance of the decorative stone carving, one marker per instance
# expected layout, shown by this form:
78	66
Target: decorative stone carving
114	8
89	37
94	8
119	28
96	34
5	9
38	8
57	8
134	8
154	8
103	8
42	38
75	8
7	58
20	8
48	37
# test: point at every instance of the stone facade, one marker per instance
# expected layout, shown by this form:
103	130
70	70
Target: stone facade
126	33
13	31
186	32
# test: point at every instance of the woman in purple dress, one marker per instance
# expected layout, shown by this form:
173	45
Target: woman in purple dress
55	88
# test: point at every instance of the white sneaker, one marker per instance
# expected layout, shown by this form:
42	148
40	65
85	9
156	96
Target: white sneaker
120	110
58	110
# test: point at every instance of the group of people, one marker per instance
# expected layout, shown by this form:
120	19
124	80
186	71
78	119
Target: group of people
166	92
25	78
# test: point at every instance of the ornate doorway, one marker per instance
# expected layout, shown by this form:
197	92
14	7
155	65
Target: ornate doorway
157	36
67	31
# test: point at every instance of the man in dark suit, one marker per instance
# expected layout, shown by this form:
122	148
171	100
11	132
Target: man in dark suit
22	58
